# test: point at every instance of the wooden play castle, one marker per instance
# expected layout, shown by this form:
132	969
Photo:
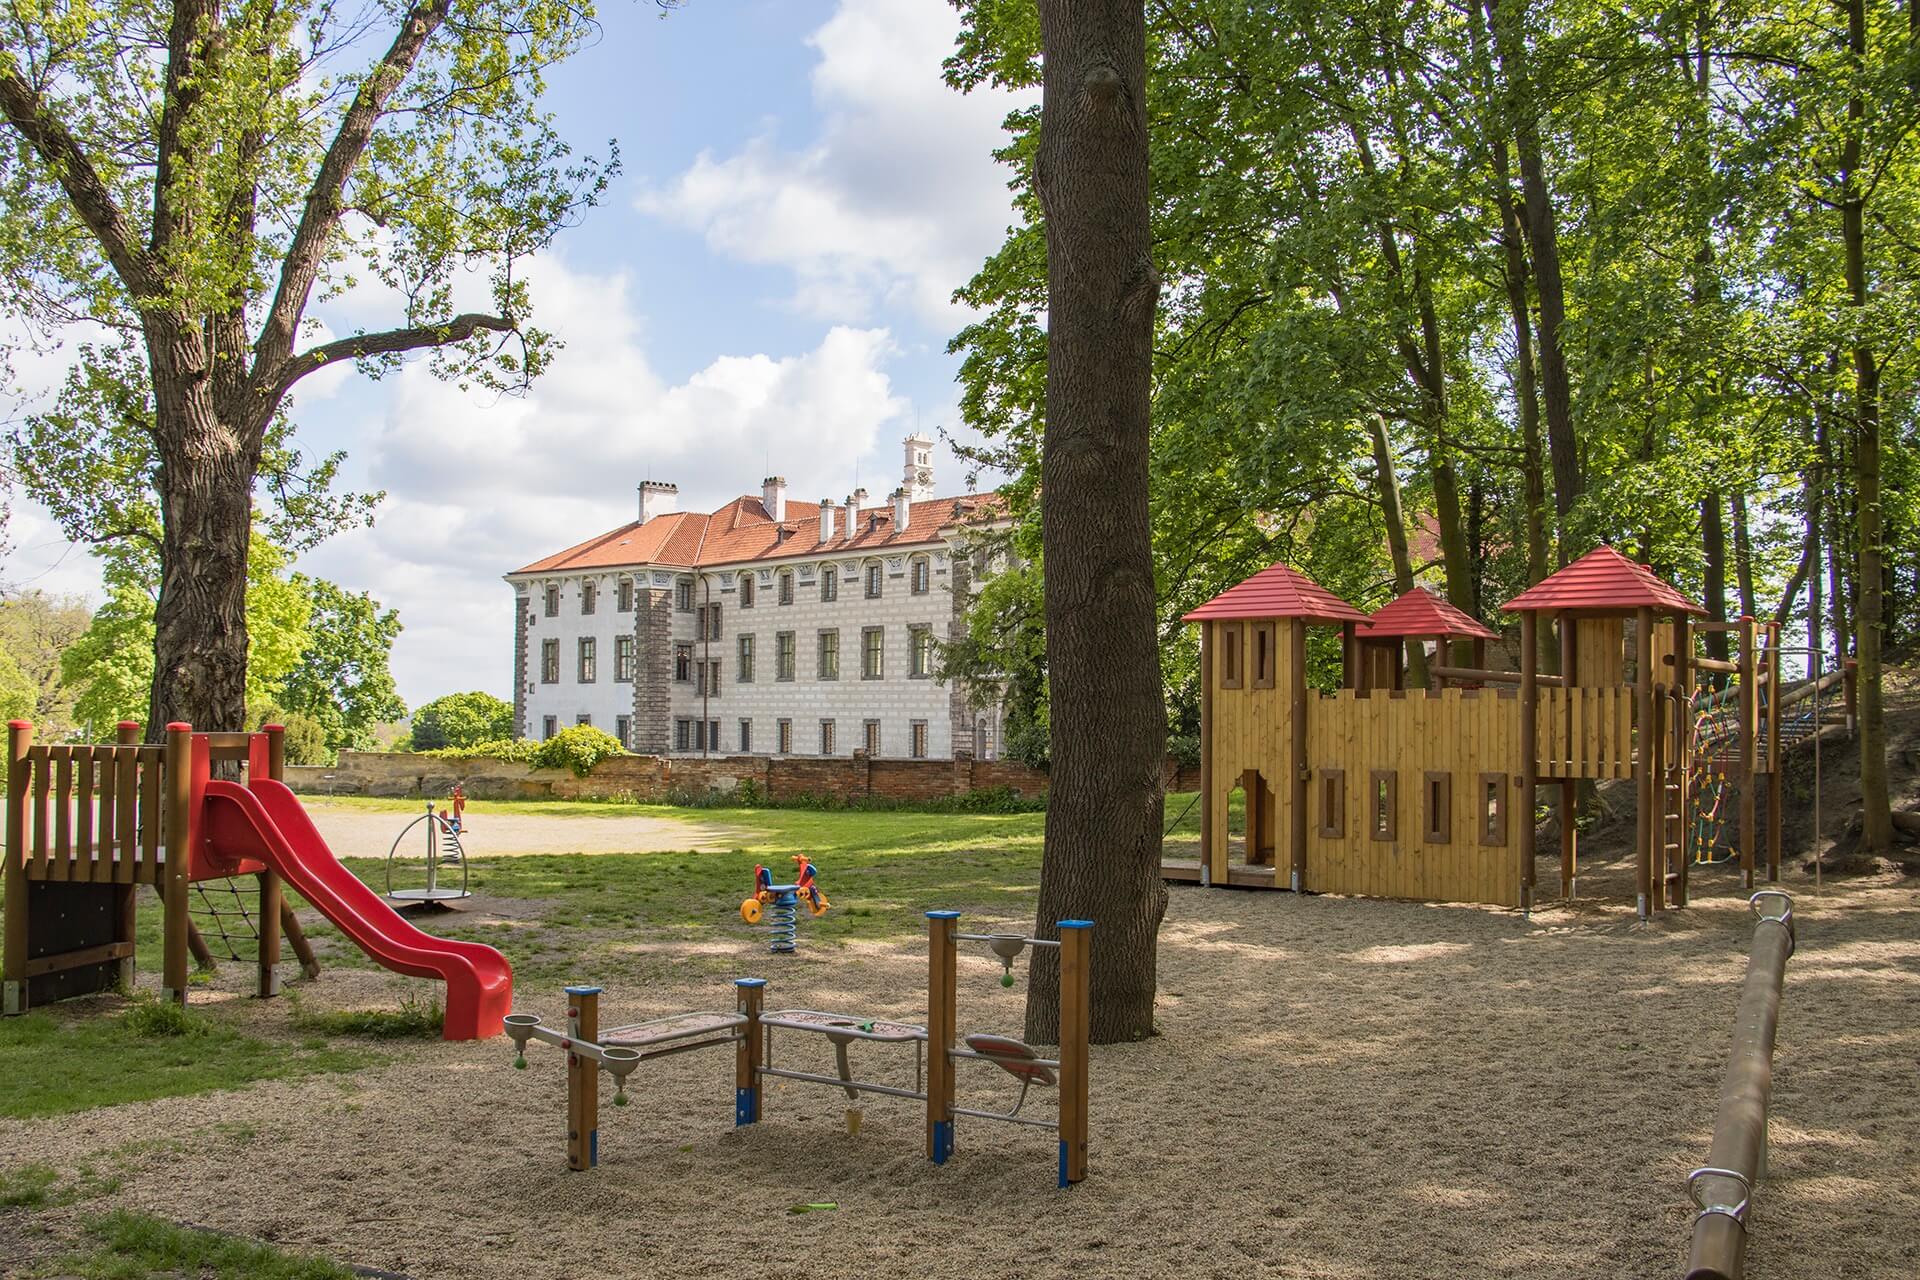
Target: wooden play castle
1431	793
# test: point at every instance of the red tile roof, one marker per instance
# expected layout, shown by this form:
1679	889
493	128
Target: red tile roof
1421	613
743	531
1602	579
1278	592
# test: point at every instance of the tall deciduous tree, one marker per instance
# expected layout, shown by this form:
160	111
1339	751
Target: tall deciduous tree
189	176
1102	857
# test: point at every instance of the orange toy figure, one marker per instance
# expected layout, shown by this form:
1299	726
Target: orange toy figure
779	903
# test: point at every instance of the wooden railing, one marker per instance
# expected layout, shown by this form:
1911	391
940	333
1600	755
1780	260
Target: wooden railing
92	814
1585	733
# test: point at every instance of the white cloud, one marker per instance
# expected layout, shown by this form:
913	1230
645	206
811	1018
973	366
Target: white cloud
896	202
479	486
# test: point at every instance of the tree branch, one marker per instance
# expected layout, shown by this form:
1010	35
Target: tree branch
307	251
389	342
91	199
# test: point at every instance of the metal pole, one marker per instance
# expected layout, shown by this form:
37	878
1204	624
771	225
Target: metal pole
1723	1187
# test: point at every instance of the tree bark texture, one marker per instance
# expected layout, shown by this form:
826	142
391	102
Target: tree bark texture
1104	812
1876	834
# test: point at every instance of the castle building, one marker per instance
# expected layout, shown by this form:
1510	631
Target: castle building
765	627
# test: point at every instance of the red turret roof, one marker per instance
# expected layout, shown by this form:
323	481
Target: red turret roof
1421	613
1602	579
1278	592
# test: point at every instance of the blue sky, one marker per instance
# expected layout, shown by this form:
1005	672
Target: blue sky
765	288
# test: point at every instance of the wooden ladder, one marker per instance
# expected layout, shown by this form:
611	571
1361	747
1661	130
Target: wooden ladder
1670	786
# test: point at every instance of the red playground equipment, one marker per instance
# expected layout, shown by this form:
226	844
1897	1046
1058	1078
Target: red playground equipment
87	824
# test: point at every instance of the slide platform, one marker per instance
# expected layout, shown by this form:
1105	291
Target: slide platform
267	822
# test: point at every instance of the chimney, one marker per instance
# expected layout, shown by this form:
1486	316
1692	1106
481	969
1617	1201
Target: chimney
657	499
902	509
773	496
855	500
917	476
826	519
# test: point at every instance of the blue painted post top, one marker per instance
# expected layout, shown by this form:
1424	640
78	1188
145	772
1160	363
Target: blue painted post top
749	982
584	991
943	915
1076	924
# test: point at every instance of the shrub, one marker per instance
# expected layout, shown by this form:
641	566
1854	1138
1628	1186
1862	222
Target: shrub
154	1018
1185	749
461	720
578	748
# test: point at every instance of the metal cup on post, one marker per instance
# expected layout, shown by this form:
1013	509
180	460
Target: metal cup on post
620	1061
519	1028
1008	947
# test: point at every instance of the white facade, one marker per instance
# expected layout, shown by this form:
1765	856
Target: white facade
622	646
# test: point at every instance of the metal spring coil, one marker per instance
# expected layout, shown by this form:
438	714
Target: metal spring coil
783	922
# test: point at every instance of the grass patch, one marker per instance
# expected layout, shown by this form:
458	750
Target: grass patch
27	1186
56	1066
134	1246
415	1019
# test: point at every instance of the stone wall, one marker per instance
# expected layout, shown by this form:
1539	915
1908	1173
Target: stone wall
662	778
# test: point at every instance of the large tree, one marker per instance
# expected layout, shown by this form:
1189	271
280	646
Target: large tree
1102	857
188	178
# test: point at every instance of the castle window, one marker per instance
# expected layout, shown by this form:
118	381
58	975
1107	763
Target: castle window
783	656
829	584
553	601
920	575
917	740
873	651
875	576
683	595
623	658
829	668
786	586
921	649
549	662
586	660
589	595
746	660
746	591
683	662
826	737
623	595
786	737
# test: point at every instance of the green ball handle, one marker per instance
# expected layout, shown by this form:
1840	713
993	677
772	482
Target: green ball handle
1006	979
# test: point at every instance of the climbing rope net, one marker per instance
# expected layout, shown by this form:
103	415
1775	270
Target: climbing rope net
220	912
1715	747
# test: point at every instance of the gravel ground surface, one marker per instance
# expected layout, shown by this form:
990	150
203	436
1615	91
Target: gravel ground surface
1341	1089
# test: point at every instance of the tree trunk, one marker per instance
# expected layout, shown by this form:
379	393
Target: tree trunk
205	486
1743	557
1388	481
1876	833
1713	543
1102	859
1508	21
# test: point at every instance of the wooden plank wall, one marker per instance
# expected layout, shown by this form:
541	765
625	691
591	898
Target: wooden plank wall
1250	730
93	814
1585	733
1463	733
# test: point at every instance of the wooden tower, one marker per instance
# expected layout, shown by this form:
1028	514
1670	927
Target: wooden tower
1416	616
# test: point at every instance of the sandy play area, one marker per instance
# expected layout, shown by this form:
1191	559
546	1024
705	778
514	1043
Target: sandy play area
1342	1088
353	831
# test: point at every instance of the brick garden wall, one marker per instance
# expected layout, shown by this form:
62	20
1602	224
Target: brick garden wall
662	778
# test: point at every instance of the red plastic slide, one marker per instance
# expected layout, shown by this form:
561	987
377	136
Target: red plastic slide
266	821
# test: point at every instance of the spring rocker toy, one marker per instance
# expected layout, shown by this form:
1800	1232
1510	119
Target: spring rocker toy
939	1048
779	904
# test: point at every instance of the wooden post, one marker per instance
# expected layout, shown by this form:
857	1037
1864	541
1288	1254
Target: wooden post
748	994
1525	773
179	838
14	975
1749	727
1210	813
1349	655
1297	762
942	996
271	900
583	1079
1569	787
1075	1014
1682	749
1775	780
1645	757
126	736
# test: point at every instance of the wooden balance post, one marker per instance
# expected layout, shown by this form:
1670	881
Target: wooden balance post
750	1026
86	825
